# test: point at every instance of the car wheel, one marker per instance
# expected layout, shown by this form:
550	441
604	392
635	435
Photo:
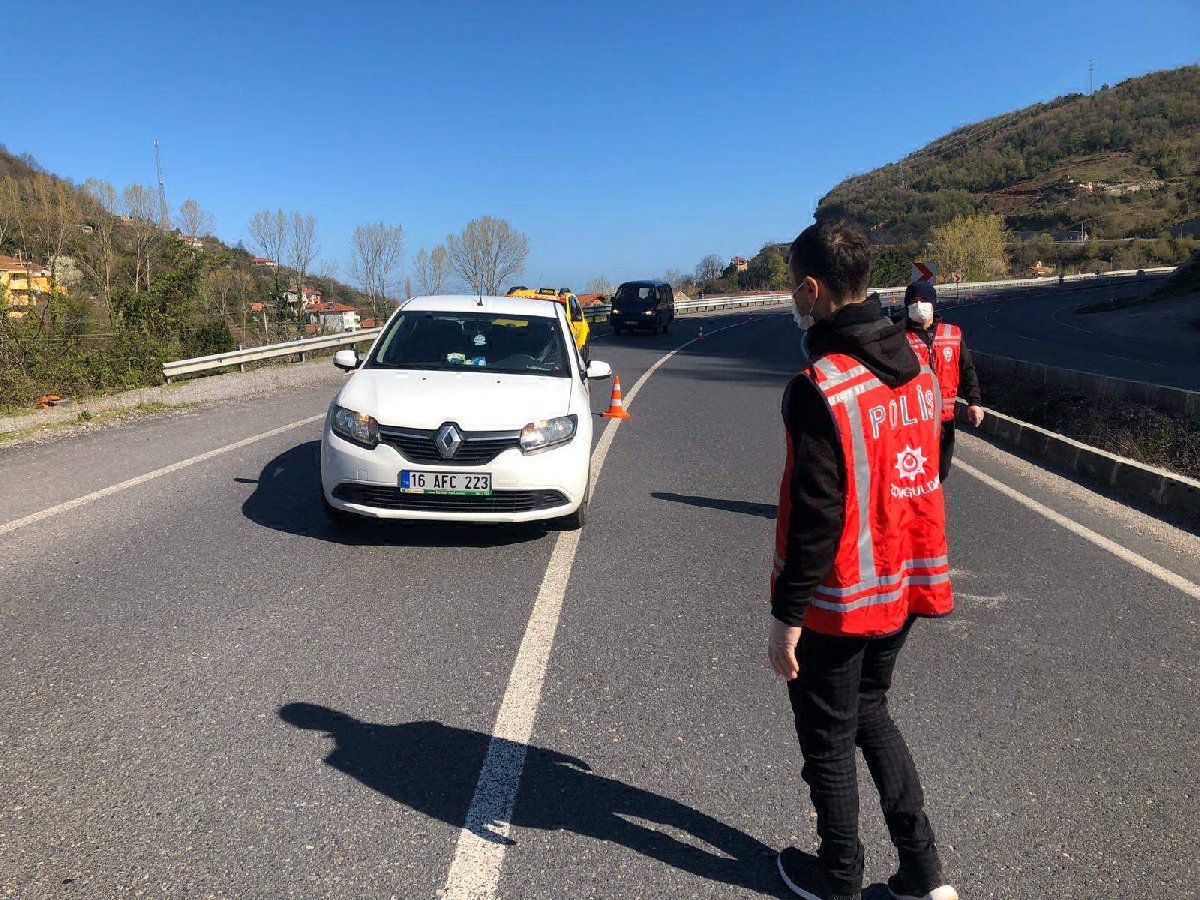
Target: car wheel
337	516
617	332
572	522
666	326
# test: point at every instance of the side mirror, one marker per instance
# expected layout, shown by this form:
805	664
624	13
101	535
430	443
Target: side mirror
347	360
597	370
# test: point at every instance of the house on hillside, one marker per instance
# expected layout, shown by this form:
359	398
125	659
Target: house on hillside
740	263
263	262
24	284
311	294
331	318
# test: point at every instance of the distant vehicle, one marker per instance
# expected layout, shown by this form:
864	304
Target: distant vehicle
466	409
642	306
580	330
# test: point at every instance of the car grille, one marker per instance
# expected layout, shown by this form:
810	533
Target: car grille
477	448
384	497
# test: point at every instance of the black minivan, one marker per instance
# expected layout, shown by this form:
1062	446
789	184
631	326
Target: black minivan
642	306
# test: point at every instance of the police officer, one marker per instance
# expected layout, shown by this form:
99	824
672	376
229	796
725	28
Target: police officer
860	553
940	345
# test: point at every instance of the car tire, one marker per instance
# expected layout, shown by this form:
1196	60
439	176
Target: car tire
574	521
666	326
617	332
338	517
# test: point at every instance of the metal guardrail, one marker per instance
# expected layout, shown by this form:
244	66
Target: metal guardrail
239	358
301	348
600	313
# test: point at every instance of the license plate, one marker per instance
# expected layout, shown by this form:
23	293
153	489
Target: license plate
471	483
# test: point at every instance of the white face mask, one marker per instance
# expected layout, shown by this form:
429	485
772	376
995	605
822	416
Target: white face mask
921	312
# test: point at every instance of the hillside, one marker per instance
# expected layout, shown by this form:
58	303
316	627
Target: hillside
95	295
1123	162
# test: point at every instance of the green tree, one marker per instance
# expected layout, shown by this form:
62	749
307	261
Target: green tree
891	267
974	246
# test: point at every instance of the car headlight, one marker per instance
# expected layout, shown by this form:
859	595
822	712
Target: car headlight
357	428
548	433
615	311
648	312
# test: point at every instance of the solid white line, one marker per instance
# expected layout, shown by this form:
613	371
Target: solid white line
1129	556
475	870
149	476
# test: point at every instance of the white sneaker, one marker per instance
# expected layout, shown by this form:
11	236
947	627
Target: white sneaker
945	892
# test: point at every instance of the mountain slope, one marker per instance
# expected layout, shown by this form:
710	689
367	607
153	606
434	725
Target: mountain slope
1122	162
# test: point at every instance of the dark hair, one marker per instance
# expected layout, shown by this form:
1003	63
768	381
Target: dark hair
836	252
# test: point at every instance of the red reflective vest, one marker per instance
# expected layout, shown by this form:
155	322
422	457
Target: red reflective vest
891	559
947	348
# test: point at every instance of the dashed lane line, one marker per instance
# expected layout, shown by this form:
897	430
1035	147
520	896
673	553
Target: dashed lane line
479	854
1135	559
69	505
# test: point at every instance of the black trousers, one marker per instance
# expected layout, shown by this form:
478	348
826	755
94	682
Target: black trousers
839	701
947	455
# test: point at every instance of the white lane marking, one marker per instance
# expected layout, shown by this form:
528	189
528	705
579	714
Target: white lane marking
1129	556
475	870
149	476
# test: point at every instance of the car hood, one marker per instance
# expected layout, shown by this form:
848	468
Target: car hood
476	401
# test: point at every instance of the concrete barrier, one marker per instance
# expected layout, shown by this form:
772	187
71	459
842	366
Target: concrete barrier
1134	480
1176	401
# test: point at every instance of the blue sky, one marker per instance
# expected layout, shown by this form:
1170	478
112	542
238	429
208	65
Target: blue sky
623	138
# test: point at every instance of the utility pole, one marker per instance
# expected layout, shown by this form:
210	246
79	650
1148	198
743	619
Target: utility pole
1091	77
164	216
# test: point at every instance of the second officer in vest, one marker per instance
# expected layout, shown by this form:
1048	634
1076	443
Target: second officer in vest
940	346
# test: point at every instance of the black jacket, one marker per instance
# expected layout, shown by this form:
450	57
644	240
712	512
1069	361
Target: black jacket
818	485
968	378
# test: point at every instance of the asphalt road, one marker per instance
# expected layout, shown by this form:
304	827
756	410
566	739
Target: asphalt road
206	690
1041	325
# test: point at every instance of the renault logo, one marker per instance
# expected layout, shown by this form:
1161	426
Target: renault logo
448	440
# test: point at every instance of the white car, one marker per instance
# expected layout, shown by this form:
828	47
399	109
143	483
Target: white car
466	409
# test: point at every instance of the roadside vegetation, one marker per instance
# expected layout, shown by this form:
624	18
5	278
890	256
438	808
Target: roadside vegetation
99	285
1123	427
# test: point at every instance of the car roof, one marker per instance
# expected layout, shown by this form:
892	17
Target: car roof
472	303
648	282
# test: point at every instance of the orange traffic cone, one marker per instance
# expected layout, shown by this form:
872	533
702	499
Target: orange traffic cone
616	406
700	336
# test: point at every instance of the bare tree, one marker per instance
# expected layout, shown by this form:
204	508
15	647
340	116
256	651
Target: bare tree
100	255
376	250
710	268
599	286
432	270
194	221
487	253
269	234
302	250
140	205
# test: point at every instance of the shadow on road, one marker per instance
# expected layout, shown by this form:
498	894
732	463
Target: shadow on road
433	768
765	510
287	498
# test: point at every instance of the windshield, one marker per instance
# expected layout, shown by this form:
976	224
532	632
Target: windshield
634	295
441	341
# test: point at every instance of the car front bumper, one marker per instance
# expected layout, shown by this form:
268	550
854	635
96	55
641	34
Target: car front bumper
634	322
525	488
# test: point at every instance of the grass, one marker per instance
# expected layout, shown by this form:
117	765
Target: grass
85	417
